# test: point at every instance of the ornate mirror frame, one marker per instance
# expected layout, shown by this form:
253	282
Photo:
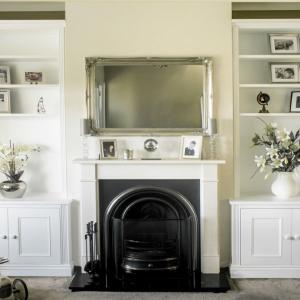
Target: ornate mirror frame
207	103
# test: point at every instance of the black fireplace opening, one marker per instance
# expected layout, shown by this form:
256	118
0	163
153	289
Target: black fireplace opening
150	229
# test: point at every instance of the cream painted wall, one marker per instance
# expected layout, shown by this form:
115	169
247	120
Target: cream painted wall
150	28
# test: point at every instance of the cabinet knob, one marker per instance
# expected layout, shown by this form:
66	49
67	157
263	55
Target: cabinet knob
4	237
288	237
14	237
296	237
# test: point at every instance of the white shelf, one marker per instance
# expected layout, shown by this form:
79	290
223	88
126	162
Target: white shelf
26	58
270	115
271	57
270	85
29	86
16	115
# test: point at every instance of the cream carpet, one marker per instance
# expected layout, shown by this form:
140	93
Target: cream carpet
263	289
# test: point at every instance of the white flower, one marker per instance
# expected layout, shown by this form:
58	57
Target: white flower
277	163
260	162
282	135
273	124
272	152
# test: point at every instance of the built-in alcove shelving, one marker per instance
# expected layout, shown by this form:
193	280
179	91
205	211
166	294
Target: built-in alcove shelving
252	74
35	46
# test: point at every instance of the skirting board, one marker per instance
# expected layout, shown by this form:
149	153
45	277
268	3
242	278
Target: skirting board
264	272
32	270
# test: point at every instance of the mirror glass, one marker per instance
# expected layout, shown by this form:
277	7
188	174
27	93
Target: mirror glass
135	95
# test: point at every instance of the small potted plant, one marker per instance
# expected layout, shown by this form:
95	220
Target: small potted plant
282	155
13	159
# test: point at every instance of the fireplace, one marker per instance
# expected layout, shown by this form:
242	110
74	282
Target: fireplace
158	225
150	228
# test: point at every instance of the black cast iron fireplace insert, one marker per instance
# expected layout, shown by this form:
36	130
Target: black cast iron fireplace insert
150	229
150	238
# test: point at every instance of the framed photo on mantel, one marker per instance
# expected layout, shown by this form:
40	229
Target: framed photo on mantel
191	147
108	149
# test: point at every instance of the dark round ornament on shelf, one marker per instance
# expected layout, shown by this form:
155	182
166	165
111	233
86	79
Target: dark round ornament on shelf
263	99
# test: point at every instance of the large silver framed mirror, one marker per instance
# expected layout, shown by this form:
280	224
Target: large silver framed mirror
134	95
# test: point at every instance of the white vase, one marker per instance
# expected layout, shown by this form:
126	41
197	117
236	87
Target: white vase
285	185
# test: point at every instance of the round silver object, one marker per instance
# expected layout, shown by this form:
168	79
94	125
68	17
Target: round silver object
151	145
11	190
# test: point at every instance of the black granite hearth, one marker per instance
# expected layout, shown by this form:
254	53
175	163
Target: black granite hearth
216	283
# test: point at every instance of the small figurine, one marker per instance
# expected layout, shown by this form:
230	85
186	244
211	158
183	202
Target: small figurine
263	99
40	106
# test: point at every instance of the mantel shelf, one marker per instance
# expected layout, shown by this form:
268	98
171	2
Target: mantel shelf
147	161
29	86
270	85
270	115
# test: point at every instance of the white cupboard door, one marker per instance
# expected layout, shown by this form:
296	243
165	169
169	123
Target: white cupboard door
296	236
34	235
266	238
3	233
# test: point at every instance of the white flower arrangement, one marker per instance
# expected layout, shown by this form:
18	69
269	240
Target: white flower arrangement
282	149
14	158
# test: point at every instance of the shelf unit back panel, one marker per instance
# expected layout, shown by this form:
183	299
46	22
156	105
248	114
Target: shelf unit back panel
43	173
17	69
29	42
257	184
279	100
256	41
26	100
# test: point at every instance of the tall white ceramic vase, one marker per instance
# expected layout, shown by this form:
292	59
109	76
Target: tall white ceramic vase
285	185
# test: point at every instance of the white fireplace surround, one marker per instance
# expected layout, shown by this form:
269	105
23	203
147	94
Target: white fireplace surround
204	170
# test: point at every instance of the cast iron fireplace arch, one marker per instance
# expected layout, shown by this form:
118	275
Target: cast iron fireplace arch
130	197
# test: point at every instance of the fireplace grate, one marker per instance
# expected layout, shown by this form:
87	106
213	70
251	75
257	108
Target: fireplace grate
158	255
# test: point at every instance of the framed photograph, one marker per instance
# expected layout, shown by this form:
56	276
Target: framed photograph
285	72
33	77
295	102
108	149
4	75
284	43
191	146
5	101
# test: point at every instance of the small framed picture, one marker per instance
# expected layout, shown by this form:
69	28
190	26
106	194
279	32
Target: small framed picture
191	146
295	102
4	75
284	43
33	77
5	101
285	72
108	149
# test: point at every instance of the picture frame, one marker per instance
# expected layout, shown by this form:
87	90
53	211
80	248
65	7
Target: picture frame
33	77
285	72
4	75
284	43
191	147
108	149
5	101
295	102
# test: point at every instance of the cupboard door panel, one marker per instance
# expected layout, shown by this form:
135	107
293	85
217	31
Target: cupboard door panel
34	235
296	235
265	237
3	233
